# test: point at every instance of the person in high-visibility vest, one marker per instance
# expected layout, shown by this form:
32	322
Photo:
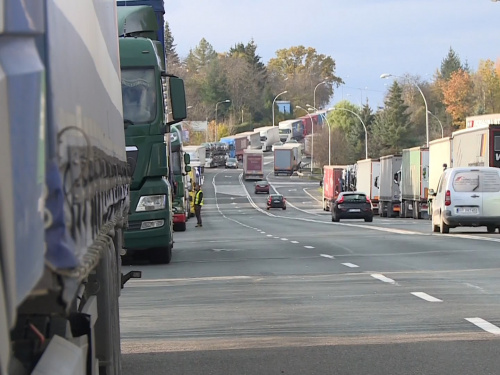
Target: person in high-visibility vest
198	202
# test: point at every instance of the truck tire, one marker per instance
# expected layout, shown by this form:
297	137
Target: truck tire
180	227
491	228
162	255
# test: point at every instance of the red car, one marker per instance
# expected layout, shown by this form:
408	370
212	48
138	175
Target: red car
262	187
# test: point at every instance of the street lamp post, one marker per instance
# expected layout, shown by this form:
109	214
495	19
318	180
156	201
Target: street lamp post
312	135
329	133
364	127
314	93
433	115
223	101
387	75
274	100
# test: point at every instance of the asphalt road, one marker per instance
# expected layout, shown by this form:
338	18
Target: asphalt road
290	292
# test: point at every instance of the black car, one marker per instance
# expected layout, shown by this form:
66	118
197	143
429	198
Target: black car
276	201
352	205
262	187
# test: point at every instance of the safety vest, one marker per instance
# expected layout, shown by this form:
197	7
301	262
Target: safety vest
197	200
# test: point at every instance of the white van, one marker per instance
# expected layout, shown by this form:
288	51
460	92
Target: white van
467	196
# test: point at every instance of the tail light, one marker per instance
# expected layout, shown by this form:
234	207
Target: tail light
341	200
447	198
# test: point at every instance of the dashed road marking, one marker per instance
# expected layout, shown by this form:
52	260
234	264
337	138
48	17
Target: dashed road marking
269	235
327	256
276	237
350	265
309	247
381	277
284	239
485	325
426	297
294	241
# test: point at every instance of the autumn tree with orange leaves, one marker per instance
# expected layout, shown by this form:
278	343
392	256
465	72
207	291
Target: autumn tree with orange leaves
458	96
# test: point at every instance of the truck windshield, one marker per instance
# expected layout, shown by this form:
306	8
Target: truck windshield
285	131
139	95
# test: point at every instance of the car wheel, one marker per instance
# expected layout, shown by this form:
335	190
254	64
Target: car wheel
491	228
335	219
435	228
284	208
368	219
268	208
443	228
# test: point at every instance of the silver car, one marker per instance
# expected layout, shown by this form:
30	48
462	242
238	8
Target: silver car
469	197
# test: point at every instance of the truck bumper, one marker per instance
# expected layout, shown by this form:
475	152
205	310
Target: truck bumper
179	218
148	230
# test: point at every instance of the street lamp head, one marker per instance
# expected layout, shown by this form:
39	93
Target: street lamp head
227	101
385	75
310	109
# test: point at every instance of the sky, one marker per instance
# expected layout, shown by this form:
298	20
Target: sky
365	37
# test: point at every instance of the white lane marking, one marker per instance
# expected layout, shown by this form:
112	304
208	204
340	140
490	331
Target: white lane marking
263	232
294	241
276	237
426	297
284	239
269	235
350	265
234	203
309	247
313	197
327	256
292	189
485	325
381	277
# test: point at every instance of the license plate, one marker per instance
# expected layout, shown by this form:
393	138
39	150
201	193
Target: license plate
354	210
276	201
467	210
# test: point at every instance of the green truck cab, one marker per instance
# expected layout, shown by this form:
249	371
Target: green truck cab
179	163
148	112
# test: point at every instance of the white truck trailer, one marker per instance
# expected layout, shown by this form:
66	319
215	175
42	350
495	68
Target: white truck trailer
389	183
476	147
269	135
439	159
253	165
367	180
415	182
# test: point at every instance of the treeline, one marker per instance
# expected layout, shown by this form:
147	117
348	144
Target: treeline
240	76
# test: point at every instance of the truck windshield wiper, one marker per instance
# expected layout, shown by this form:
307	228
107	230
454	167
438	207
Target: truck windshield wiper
127	122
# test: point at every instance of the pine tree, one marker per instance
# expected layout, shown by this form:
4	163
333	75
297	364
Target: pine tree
201	56
170	52
450	64
392	127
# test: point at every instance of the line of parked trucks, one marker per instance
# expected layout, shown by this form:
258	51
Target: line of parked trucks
398	185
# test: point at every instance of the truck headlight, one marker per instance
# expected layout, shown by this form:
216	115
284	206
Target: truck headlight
151	203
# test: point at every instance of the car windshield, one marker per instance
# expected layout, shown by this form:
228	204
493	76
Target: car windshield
231	160
276	197
354	197
139	95
262	183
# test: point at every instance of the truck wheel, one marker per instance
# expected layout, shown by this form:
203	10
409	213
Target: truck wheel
180	227
491	228
368	219
443	227
162	255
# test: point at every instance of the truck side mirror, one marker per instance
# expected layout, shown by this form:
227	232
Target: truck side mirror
187	159
176	102
432	192
376	182
187	168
